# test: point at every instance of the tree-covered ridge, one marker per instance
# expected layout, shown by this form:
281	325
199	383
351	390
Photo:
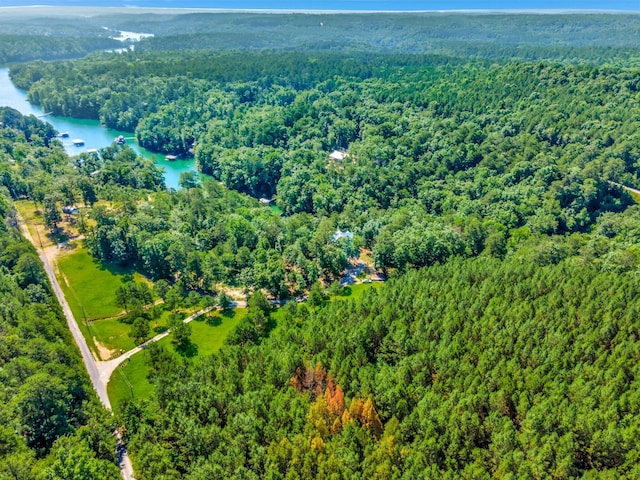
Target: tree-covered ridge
50	33
137	83
479	368
25	48
30	35
593	38
52	426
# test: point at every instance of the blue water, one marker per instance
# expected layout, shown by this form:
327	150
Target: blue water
345	4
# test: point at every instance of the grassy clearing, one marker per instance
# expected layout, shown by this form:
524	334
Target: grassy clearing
113	334
275	209
89	287
209	332
130	380
357	291
92	284
207	335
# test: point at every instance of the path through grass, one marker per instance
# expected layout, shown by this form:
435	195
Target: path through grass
207	335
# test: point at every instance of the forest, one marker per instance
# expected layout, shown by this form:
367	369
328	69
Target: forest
444	158
478	368
487	180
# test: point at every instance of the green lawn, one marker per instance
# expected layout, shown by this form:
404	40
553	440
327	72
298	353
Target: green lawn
207	336
92	285
134	374
113	334
89	287
357	291
209	333
275	209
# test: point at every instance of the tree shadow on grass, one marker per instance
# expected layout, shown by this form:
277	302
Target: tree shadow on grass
70	246
126	271
214	320
59	235
188	350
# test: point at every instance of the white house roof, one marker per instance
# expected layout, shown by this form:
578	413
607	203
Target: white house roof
336	155
340	234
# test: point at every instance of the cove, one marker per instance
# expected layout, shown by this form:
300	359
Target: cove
92	132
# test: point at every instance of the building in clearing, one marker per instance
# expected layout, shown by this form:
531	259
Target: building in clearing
336	156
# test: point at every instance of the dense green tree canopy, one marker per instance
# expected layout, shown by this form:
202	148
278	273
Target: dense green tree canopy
483	176
481	367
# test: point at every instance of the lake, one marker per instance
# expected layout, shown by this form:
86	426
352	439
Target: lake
94	135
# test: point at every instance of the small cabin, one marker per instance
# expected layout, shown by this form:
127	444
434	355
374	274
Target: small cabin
340	234
337	156
69	210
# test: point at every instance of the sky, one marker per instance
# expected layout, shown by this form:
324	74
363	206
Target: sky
345	4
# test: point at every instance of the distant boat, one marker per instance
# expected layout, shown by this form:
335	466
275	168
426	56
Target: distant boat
120	140
78	142
63	134
170	158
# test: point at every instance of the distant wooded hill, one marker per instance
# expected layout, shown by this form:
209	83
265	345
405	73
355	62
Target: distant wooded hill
65	32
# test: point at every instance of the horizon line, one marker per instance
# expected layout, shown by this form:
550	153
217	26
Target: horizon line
331	11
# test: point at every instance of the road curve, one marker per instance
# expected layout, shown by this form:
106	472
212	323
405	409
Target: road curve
126	468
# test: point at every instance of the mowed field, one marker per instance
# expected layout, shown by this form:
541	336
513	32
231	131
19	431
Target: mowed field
89	287
91	284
